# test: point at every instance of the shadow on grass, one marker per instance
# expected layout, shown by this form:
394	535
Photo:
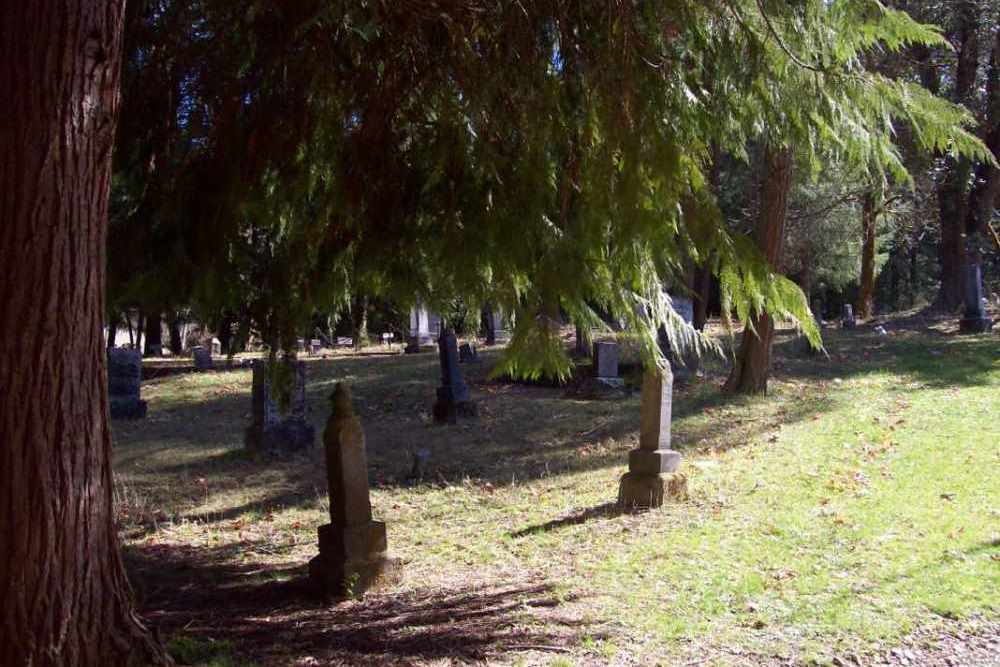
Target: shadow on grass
604	511
278	619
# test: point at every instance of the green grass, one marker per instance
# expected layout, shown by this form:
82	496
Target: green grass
855	504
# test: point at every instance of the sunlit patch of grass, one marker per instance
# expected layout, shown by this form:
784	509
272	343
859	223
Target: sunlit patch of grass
852	505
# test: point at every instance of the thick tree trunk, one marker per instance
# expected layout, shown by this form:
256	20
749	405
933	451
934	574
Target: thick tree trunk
866	295
953	190
154	336
753	361
225	333
112	332
66	600
176	341
359	321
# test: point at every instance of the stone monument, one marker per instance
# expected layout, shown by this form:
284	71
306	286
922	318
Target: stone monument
353	555
273	429
453	398
975	318
124	380
424	326
848	322
202	358
652	468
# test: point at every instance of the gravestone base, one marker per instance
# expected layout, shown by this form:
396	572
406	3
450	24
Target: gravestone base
418	344
126	408
647	491
353	559
975	325
289	435
452	404
467	354
599	388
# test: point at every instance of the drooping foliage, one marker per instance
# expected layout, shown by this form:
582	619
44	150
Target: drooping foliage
546	157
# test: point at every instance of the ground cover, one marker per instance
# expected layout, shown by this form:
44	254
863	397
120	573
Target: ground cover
852	510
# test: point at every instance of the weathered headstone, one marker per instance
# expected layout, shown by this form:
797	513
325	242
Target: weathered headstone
606	363
974	319
682	364
353	554
652	468
202	358
496	331
467	354
387	338
273	429
124	384
216	346
848	322
315	345
300	344
453	398
423	328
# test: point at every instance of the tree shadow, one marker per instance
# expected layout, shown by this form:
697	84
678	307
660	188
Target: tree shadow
604	511
277	618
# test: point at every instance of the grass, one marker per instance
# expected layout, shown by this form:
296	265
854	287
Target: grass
852	506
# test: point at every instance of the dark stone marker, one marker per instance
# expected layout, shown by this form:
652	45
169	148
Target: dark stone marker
124	380
453	399
848	322
467	354
975	319
652	468
353	555
606	360
496	333
271	430
202	358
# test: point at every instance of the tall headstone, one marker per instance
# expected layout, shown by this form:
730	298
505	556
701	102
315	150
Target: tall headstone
353	551
848	321
974	318
274	429
652	468
124	380
496	329
606	364
682	364
424	327
453	398
202	358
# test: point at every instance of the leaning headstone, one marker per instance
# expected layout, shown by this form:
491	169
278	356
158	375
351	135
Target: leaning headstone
422	323
276	428
975	318
467	354
848	322
124	380
453	398
202	358
353	554
652	468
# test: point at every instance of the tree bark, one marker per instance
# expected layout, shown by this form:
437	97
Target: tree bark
176	342
753	361
66	600
225	333
866	295
359	321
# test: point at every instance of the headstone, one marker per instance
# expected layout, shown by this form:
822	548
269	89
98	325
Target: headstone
848	322
353	554
124	380
975	319
652	468
345	341
682	365
496	331
606	361
424	325
216	346
300	344
202	358
467	354
273	429
315	345
453	398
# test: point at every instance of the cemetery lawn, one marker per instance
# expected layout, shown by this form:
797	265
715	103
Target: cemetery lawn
853	510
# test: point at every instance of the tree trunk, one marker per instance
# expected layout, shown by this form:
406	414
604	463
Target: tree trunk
154	336
359	321
702	293
131	333
176	341
952	191
753	361
866	295
112	332
66	600
225	333
584	341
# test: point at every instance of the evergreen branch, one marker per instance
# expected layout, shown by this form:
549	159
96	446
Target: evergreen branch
781	43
